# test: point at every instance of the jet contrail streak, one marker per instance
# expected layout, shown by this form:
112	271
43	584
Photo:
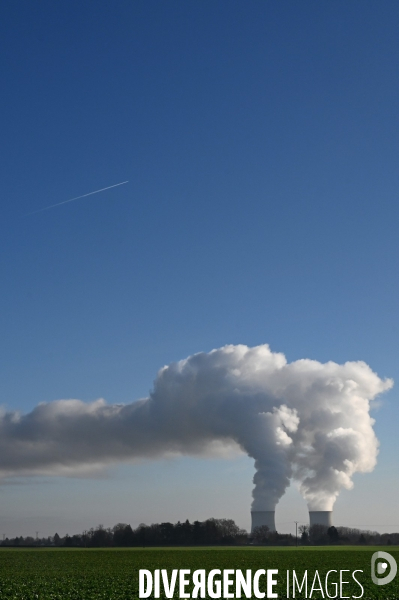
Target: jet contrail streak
77	198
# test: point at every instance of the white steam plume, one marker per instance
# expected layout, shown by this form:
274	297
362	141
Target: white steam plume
305	420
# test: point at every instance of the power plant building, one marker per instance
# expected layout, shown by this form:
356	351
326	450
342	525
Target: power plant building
263	517
320	517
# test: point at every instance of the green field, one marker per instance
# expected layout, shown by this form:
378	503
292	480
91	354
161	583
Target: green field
112	574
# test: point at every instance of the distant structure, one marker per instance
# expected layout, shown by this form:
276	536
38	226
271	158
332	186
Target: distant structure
320	517
262	517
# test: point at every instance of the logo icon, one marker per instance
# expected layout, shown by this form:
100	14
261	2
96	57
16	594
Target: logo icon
381	560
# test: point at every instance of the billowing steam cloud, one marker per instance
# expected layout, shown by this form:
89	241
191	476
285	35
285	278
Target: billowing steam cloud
305	420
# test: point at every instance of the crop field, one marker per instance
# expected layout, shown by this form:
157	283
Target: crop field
113	574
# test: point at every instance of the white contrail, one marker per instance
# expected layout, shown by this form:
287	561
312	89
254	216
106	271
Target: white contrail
77	198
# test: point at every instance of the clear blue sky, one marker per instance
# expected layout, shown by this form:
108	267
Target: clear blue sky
260	141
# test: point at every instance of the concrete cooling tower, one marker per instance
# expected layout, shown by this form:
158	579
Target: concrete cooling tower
263	517
320	517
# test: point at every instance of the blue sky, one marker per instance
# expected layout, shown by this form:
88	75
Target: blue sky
260	141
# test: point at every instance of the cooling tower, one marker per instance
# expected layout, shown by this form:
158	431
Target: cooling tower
320	517
263	517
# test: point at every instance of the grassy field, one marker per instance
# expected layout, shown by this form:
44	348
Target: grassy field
112	574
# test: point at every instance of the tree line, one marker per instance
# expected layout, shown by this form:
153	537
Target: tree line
319	535
212	532
209	532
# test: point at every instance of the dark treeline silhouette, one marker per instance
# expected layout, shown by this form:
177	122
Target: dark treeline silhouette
319	535
212	532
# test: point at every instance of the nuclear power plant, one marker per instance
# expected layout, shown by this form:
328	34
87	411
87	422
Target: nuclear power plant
320	517
266	517
263	517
